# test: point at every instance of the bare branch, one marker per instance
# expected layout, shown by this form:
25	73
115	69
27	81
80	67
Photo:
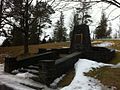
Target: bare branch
114	18
107	7
116	2
30	2
111	12
52	2
33	20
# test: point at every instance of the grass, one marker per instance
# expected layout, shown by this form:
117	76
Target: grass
116	59
108	76
67	79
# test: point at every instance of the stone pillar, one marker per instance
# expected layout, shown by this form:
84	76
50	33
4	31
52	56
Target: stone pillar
47	71
10	64
80	38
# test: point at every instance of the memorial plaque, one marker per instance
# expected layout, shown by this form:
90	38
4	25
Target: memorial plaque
78	38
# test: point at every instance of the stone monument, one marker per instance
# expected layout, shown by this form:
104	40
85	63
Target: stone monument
80	38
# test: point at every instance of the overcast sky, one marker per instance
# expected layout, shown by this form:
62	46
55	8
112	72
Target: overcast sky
111	12
95	12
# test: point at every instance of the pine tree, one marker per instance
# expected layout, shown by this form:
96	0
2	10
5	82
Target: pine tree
109	32
34	33
101	30
17	37
60	30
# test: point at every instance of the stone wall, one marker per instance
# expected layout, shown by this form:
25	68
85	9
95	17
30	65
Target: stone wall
100	54
11	63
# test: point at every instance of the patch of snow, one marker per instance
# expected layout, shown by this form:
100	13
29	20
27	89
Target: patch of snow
32	70
31	66
117	50
116	66
25	75
2	39
56	81
16	81
15	71
104	44
81	82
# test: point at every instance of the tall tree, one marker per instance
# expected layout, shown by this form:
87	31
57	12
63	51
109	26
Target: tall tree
42	11
101	30
4	9
22	16
60	30
82	15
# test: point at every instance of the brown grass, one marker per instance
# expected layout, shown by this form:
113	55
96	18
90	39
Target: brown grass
18	50
67	79
107	75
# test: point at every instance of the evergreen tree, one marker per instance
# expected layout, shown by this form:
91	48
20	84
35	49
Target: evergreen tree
101	30
109	32
60	30
17	37
34	33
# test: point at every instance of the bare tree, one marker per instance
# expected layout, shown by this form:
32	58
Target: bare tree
22	16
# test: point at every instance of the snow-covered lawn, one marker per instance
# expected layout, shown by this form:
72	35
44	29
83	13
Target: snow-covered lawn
80	81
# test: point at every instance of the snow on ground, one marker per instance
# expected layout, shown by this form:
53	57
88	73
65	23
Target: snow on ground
104	44
117	50
116	66
56	81
80	82
19	81
2	39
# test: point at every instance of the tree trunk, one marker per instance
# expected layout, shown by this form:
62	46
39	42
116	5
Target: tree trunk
26	48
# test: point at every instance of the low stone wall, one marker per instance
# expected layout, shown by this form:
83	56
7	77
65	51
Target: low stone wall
100	54
66	63
11	63
59	50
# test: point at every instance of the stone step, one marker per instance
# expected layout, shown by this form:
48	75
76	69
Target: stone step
36	79
36	67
